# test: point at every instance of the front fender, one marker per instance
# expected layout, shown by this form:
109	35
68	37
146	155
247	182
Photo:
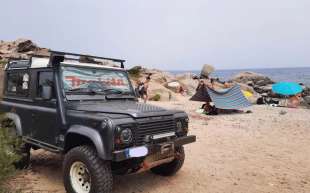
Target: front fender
94	136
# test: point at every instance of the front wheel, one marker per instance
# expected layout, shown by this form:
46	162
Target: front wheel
85	172
171	168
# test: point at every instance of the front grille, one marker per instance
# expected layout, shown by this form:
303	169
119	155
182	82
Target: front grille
153	126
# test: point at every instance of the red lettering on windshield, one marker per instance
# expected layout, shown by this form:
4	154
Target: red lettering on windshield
77	81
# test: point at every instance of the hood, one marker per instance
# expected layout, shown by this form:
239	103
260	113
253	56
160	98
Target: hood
131	108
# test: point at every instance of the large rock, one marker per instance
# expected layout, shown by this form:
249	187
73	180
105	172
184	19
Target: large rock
263	89
253	78
158	89
158	75
20	48
187	82
207	69
307	99
173	85
1	81
26	46
306	91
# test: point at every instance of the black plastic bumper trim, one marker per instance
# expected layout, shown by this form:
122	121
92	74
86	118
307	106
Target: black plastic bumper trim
152	148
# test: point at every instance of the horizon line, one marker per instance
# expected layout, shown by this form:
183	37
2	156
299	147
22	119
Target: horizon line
183	70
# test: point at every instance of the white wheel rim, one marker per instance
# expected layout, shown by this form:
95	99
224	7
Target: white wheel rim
80	178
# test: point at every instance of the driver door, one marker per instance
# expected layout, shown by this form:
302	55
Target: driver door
45	120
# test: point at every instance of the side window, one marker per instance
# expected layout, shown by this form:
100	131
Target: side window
18	83
45	79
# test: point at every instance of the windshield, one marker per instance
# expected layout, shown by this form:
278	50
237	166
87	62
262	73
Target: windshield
95	81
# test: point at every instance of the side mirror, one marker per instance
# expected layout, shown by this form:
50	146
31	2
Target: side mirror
46	92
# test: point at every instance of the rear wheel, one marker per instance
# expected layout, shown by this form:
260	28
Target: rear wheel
85	172
16	145
171	168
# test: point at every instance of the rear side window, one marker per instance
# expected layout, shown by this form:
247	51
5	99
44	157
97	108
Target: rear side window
18	83
45	79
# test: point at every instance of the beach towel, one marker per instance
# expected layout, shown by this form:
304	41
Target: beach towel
231	98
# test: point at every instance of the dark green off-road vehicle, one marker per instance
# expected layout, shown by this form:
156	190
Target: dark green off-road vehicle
74	105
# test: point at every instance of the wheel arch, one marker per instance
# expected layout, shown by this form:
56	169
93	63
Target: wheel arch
80	135
17	121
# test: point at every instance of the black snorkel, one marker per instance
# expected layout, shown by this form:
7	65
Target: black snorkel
54	62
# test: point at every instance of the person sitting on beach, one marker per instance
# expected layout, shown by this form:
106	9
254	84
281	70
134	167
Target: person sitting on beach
294	101
207	107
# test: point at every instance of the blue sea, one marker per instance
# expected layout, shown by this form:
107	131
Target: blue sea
299	75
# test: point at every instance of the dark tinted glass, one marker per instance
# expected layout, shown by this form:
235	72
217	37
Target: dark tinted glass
44	79
18	83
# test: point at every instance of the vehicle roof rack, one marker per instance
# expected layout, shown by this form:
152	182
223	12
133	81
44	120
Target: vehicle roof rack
57	57
88	58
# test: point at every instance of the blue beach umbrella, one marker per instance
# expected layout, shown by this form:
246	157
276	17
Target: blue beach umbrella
286	88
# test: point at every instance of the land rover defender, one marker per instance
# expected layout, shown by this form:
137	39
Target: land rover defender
77	106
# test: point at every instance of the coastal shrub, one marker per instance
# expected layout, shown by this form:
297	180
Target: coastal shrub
135	72
156	97
2	63
7	157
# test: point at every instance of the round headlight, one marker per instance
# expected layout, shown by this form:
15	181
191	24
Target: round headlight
179	126
187	120
126	136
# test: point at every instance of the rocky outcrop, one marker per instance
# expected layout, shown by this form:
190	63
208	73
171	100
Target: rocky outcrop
259	83
1	81
20	48
251	78
262	86
165	84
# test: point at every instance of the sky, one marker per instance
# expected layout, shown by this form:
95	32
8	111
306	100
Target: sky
168	34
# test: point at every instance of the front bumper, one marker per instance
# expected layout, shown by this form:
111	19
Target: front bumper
152	148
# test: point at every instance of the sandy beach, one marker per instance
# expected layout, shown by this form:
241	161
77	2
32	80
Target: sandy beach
261	152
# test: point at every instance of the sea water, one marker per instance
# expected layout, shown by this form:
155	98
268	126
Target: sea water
299	75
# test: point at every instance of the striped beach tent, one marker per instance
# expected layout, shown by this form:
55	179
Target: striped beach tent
231	98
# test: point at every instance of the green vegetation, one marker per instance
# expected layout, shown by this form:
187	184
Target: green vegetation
7	156
135	72
156	97
2	62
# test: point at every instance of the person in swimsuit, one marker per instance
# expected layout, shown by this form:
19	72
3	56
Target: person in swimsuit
142	89
145	95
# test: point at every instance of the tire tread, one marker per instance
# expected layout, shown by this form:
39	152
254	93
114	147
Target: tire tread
101	171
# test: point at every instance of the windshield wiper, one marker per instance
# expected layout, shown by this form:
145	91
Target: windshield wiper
84	91
113	91
118	94
108	92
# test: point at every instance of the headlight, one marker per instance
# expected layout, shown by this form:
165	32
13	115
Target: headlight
182	126
179	126
126	136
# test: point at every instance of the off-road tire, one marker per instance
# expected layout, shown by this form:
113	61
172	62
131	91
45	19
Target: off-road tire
171	168
100	170
23	151
24	161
